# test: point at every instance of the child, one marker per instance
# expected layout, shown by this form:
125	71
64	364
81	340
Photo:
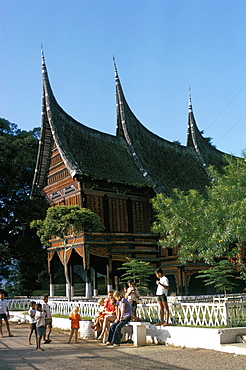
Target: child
98	321
132	295
75	319
110	314
161	292
32	313
40	325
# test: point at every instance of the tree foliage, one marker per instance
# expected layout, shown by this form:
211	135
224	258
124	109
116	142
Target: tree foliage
139	272
22	256
206	226
221	276
61	221
66	220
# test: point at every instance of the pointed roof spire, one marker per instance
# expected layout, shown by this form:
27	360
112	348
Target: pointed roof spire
115	70
42	55
190	103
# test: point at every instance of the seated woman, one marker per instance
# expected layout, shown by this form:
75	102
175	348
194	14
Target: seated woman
124	314
110	314
98	321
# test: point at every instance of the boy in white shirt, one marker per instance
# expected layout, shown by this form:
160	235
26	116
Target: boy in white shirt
40	325
161	292
32	313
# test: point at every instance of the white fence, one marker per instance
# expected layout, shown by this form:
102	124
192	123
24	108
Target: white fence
181	313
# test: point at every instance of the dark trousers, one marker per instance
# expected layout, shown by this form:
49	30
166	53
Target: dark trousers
114	335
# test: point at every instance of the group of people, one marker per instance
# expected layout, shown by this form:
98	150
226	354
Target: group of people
40	322
114	313
119	309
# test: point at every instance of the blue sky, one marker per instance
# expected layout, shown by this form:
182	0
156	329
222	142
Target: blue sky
161	48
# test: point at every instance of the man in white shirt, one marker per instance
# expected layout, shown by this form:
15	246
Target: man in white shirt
161	292
4	314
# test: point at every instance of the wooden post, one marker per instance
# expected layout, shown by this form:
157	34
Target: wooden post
88	293
109	278
116	282
94	280
71	280
52	287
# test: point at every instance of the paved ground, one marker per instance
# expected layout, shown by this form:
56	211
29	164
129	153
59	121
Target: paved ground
16	354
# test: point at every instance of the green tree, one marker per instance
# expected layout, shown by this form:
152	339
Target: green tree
61	221
206	226
221	276
22	257
139	272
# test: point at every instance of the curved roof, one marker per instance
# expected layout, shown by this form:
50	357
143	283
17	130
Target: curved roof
165	165
135	156
85	151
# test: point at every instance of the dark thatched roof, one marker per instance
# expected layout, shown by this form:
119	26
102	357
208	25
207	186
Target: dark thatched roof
135	156
166	165
85	151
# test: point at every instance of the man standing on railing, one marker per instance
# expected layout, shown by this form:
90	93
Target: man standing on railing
161	292
4	314
48	320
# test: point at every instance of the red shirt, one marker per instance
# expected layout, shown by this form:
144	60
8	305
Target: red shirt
108	306
75	319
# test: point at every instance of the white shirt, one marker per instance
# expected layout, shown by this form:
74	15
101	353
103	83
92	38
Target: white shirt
160	289
40	319
3	305
46	308
32	311
132	296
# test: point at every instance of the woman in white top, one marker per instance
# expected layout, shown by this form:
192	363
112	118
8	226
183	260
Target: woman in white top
161	292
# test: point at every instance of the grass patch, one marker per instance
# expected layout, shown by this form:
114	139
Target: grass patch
61	316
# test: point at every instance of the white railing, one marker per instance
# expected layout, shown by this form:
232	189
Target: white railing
236	314
210	314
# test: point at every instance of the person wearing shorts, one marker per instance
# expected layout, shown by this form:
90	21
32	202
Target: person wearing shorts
40	325
161	292
32	313
4	315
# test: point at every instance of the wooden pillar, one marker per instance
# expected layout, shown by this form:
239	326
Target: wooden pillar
71	277
88	292
180	282
94	280
52	287
116	282
109	278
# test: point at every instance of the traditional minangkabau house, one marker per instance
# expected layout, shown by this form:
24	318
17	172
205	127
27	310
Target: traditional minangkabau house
115	176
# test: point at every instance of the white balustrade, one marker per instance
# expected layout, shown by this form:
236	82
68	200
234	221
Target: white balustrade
216	312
